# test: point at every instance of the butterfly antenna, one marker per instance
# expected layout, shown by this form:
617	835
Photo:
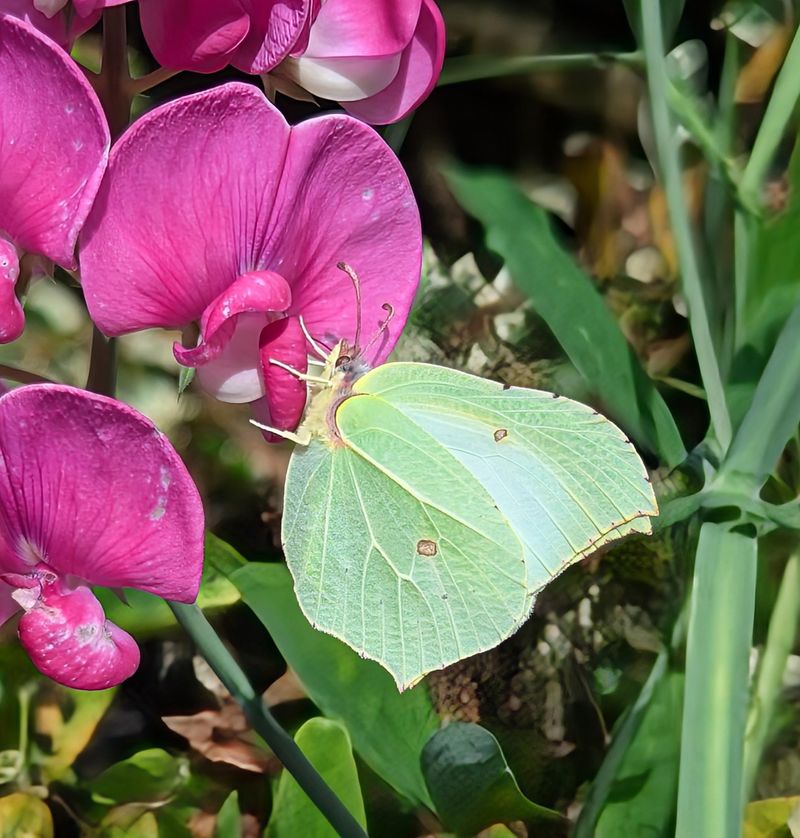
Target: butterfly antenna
382	327
316	346
343	266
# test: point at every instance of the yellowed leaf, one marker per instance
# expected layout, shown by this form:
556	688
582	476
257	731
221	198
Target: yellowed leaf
24	816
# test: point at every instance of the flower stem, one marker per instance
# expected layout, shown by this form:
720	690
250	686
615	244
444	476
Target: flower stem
476	67
283	746
22	376
653	40
149	81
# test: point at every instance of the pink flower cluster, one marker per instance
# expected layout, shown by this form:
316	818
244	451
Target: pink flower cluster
210	212
378	58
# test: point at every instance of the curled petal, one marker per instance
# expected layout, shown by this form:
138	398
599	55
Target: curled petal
184	209
90	487
258	291
342	79
12	318
420	66
284	341
53	144
275	26
68	638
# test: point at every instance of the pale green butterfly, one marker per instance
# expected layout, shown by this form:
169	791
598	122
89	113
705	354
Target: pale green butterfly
425	508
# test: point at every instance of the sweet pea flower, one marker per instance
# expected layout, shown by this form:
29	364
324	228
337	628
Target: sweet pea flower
53	151
215	211
207	35
378	58
90	494
61	20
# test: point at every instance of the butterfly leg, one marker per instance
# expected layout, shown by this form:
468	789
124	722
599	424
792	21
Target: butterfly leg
302	376
303	438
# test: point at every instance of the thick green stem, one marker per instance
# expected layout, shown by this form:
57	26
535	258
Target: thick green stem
717	667
476	67
781	106
658	83
781	636
283	746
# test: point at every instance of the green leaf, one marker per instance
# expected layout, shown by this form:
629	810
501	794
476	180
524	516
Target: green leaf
671	12
185	378
771	818
24	815
470	782
229	819
147	776
388	729
327	746
565	297
641	800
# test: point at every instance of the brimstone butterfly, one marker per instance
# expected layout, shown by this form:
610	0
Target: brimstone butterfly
426	507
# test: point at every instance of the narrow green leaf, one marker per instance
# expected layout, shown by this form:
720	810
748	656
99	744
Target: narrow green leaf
229	819
388	729
671	12
773	415
471	784
327	746
717	680
565	297
185	378
641	800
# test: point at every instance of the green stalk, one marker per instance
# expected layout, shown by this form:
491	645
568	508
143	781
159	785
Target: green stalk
779	111
476	67
283	746
783	627
715	700
658	83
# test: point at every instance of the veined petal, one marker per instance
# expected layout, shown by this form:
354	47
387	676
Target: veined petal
358	28
284	341
184	209
345	197
199	35
12	318
419	70
90	487
275	26
68	638
53	144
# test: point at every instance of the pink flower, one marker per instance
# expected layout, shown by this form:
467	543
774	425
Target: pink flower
379	58
207	35
53	152
215	210
61	20
90	494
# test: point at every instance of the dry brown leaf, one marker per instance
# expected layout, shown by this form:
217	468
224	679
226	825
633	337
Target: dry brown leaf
756	77
286	688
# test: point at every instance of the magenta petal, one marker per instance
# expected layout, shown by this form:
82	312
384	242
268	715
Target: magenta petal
8	605
360	28
53	144
12	318
184	209
284	341
69	639
420	66
275	26
90	487
346	198
199	35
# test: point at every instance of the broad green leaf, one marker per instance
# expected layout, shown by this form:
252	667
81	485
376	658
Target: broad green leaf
24	816
147	776
470	782
327	746
229	819
565	297
771	818
388	729
641	800
447	504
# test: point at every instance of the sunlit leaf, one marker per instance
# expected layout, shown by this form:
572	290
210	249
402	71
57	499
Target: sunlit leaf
327	746
24	816
770	818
